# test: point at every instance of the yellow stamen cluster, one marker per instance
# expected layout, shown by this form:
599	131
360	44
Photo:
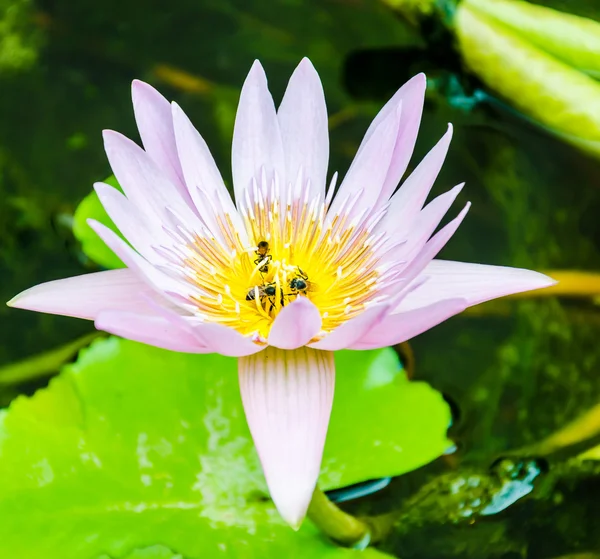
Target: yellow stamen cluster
295	252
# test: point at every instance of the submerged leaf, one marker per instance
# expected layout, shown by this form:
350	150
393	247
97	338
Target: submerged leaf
134	446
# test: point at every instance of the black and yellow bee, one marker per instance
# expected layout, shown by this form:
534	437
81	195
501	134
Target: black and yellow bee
262	251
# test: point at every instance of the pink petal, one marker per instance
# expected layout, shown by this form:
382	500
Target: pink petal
256	136
143	182
475	283
226	341
287	397
199	167
369	168
152	330
295	325
412	97
128	219
88	295
353	330
427	222
399	327
141	267
406	203
153	117
302	119
433	246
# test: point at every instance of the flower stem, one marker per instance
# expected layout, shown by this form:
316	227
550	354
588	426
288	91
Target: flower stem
337	524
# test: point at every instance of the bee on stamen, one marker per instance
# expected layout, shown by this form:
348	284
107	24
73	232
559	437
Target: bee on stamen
262	251
300	283
267	291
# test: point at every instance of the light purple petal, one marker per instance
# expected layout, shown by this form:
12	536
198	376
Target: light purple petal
475	283
199	167
433	246
302	119
143	182
257	141
400	327
130	221
141	267
427	222
226	341
287	397
369	168
88	295
155	124
412	97
408	201
295	325
152	330
353	330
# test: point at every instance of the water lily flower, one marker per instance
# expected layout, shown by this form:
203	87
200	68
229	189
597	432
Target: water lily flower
289	273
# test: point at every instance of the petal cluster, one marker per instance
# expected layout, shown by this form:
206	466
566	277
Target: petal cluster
289	268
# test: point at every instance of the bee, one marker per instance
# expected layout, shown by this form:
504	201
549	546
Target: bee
267	290
262	251
300	283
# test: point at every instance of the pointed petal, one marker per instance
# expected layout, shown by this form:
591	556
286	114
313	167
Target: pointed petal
139	265
287	397
353	330
256	136
408	201
88	295
302	119
369	168
155	124
475	283
226	341
128	219
143	182
426	223
295	325
403	326
152	330
412	97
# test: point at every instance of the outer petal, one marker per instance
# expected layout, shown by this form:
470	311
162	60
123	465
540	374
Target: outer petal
370	167
302	119
226	341
397	328
256	137
475	283
199	168
153	117
143	182
152	330
88	295
408	201
287	397
412	97
295	325
353	330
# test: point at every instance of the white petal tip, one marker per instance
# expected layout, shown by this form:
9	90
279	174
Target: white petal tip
292	500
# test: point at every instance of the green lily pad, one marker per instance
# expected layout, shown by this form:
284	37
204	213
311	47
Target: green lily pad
133	447
92	246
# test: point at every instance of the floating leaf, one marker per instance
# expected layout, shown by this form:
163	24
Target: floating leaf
133	446
91	208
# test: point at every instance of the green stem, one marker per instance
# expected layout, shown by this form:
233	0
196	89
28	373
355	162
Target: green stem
344	528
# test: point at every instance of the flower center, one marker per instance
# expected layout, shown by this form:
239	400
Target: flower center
298	252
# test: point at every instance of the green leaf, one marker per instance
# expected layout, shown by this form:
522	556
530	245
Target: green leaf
93	247
133	446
